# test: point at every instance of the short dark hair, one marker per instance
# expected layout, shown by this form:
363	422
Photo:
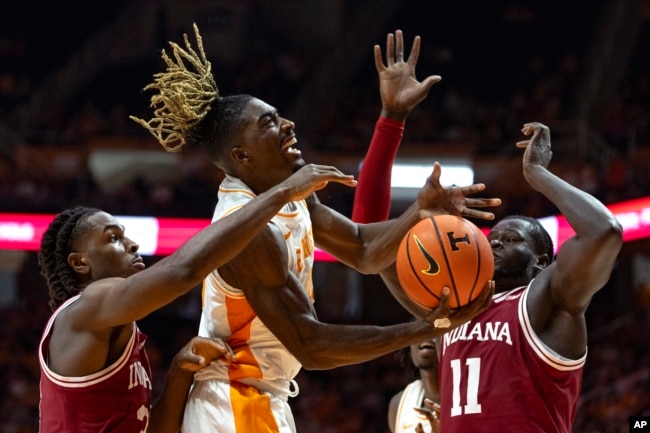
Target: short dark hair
222	124
58	241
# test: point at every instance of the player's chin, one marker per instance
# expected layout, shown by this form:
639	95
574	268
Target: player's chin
298	164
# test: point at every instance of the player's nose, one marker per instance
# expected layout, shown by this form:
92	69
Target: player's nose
495	243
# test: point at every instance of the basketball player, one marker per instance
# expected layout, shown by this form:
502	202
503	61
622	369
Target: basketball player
518	365
413	405
95	373
261	302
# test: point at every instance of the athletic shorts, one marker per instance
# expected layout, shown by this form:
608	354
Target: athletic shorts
216	406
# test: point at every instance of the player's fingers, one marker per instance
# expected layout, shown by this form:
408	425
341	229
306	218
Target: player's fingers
473	213
482	202
472	189
528	128
432	404
428	82
523	143
415	52
390	49
436	172
443	308
399	46
379	62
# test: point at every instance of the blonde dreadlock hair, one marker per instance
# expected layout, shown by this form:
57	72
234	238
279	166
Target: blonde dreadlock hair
185	96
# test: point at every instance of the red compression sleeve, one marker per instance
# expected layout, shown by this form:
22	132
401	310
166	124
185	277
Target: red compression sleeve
372	196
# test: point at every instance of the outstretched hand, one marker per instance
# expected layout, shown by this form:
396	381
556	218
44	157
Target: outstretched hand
400	91
311	178
453	200
201	351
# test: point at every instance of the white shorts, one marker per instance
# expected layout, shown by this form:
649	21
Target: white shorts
216	406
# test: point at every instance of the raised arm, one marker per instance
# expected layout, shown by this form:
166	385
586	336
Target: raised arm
562	292
400	92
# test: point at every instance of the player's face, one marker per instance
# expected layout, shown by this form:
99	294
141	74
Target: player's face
267	146
424	355
514	254
106	251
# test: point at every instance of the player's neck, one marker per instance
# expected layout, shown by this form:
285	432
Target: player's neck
430	382
505	284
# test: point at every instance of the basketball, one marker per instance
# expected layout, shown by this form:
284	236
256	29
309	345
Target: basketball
444	250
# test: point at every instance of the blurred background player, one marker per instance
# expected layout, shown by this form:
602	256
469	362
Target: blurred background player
415	403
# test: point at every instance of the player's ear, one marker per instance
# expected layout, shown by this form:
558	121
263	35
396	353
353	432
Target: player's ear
543	261
240	155
78	263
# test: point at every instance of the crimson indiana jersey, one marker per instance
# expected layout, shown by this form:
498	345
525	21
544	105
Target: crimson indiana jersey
115	399
497	375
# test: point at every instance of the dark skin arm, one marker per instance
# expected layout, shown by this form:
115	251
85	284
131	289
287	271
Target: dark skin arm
94	331
561	292
280	301
167	411
370	248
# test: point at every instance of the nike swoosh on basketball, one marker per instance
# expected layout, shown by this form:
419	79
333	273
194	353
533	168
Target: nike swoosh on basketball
434	267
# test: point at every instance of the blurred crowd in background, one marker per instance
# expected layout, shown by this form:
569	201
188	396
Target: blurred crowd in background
586	74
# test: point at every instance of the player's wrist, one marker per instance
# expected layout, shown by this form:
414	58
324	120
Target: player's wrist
393	119
279	195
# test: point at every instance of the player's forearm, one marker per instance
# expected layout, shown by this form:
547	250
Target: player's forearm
586	214
372	196
167	411
327	350
382	240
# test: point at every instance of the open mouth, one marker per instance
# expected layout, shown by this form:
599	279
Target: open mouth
287	147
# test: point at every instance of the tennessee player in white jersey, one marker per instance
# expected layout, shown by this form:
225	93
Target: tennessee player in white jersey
261	361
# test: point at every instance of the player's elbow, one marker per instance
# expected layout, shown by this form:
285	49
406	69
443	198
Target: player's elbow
313	359
366	267
610	235
316	354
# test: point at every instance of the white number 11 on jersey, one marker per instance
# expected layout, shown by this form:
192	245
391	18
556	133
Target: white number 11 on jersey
473	376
